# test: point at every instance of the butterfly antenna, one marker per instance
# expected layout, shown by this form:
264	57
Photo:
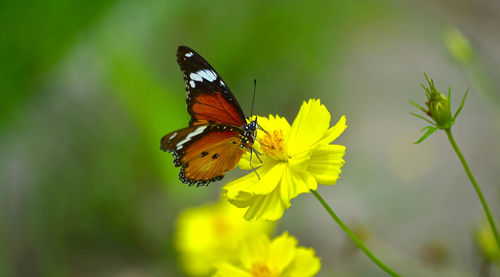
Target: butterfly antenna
251	113
253	98
262	129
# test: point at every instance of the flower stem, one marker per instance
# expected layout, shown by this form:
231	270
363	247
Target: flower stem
353	236
475	185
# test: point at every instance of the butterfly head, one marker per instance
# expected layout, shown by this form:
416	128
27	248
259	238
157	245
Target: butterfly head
250	130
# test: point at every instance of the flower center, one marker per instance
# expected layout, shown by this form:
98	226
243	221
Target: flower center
221	226
261	270
273	145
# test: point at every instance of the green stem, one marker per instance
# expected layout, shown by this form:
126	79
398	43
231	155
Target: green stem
475	185
353	236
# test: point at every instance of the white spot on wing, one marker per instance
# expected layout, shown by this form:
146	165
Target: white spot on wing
189	54
207	74
222	83
198	131
173	136
196	77
192	83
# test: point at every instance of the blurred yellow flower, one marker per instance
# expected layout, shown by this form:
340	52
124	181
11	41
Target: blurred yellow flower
210	233
295	159
259	257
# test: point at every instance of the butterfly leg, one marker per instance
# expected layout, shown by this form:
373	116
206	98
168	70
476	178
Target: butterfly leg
251	156
257	155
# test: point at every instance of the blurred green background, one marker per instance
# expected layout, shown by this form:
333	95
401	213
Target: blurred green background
88	88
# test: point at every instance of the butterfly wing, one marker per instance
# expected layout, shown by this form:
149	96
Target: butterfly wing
205	152
209	99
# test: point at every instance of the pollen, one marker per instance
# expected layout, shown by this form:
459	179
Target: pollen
261	270
273	145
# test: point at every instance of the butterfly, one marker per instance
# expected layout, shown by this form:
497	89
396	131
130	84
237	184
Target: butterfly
218	134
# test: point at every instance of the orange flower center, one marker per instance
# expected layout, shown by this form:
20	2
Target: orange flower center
273	145
261	270
221	226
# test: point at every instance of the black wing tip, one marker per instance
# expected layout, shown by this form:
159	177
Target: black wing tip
162	144
183	48
182	54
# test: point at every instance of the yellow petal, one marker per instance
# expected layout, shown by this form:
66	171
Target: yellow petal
233	188
334	132
305	263
286	190
241	199
251	161
254	250
281	252
299	160
223	230
273	123
268	180
269	207
308	127
229	270
295	183
325	163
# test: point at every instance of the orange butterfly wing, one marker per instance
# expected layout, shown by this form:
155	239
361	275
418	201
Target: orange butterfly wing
205	152
208	99
207	108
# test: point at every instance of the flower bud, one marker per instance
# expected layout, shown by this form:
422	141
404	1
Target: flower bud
487	243
438	106
439	110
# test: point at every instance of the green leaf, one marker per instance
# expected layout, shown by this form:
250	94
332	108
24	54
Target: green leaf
461	105
449	98
418	106
430	130
421	117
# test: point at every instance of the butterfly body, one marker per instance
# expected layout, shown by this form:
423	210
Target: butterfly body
217	135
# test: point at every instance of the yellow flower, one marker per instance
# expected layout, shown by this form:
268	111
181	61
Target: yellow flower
210	233
295	159
259	257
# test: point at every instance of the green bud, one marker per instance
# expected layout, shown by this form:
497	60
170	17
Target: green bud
459	46
438	106
438	109
487	243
